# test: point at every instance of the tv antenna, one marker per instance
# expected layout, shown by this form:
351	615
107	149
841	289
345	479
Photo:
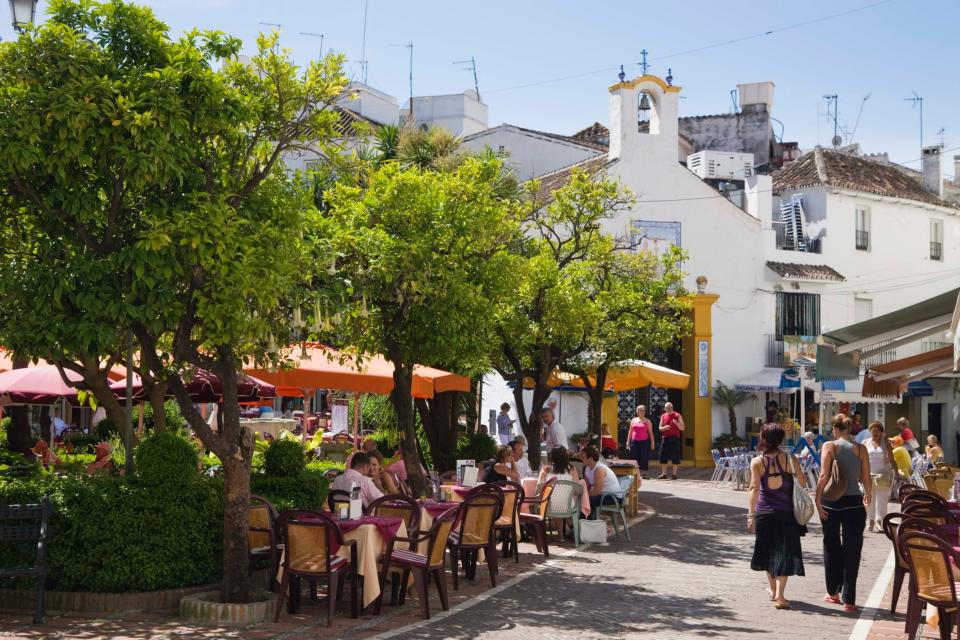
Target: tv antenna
315	35
473	67
918	100
363	44
409	46
834	100
859	112
279	28
940	133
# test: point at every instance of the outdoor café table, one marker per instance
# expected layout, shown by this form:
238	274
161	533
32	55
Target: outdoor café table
622	467
373	535
530	489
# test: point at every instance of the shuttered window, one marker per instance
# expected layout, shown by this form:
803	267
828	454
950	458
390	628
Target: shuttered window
798	314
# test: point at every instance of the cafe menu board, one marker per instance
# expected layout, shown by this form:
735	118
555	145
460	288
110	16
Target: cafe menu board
462	466
338	416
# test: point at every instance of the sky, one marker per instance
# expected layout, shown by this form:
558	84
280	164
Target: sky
547	64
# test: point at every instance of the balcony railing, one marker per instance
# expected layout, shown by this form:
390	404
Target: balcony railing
936	251
862	240
882	357
775	354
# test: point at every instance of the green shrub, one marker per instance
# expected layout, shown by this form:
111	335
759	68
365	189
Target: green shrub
112	535
84	442
175	420
4	427
105	430
307	490
478	446
322	466
75	462
165	458
284	459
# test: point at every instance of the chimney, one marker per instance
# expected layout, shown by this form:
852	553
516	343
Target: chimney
933	169
756	95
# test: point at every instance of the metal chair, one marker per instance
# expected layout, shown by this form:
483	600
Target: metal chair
423	566
309	536
617	508
474	531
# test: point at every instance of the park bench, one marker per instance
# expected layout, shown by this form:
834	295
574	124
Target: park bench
27	523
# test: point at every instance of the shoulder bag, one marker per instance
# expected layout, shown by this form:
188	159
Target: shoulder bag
803	507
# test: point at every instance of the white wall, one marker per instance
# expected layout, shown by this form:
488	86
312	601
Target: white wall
460	113
530	155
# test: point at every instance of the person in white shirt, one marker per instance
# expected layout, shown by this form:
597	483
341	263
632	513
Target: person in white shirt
520	462
358	472
601	481
554	435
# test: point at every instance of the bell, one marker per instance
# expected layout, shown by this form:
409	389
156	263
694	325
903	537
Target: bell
644	105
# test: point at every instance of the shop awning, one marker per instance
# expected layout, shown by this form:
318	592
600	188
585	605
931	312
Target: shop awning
852	391
847	346
624	376
768	379
918	389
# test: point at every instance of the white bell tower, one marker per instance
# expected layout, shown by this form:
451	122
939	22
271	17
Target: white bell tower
626	140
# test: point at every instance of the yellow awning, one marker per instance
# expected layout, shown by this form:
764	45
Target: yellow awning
627	375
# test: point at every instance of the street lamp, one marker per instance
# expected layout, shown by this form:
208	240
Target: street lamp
23	13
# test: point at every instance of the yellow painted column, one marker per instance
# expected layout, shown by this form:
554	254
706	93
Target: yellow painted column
698	397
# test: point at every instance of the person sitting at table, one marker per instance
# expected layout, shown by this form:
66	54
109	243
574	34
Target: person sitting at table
382	478
601	481
359	472
368	446
520	462
558	466
933	450
502	469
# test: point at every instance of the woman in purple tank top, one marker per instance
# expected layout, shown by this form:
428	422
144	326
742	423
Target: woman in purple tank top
777	547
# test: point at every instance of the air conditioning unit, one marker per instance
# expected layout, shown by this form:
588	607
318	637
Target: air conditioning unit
721	165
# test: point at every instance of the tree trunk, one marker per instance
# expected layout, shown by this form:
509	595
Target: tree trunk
530	423
403	405
440	425
98	382
595	396
19	438
158	394
732	414
237	444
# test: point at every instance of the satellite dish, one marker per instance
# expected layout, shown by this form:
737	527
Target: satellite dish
836	141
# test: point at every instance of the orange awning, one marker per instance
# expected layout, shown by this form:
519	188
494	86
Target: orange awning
319	367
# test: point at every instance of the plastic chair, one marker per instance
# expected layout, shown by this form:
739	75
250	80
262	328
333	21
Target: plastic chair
565	503
617	508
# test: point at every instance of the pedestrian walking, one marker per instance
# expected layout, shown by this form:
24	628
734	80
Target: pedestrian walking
882	471
776	549
671	428
845	517
640	439
505	424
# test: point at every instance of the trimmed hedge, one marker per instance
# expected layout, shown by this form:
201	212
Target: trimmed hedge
166	458
308	490
111	535
284	458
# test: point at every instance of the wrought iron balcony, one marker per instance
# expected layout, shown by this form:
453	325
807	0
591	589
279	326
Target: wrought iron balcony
862	240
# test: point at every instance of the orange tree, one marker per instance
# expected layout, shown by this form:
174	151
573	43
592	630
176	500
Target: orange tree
144	192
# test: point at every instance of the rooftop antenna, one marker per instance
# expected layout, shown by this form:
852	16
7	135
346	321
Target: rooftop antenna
940	133
857	122
918	100
643	62
363	43
472	67
834	99
733	99
278	27
315	35
409	46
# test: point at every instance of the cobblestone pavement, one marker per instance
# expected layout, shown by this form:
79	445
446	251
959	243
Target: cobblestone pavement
685	575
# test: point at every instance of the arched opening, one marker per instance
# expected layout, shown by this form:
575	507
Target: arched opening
647	120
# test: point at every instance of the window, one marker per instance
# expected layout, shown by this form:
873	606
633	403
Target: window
936	239
862	309
862	234
798	314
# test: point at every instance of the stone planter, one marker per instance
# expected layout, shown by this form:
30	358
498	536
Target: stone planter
90	602
206	607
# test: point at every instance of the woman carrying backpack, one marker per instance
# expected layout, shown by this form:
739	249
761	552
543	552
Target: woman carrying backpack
842	507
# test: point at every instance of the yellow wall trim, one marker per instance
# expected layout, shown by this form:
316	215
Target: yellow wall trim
632	84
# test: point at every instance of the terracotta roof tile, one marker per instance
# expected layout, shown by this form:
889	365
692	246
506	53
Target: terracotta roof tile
805	271
552	181
833	168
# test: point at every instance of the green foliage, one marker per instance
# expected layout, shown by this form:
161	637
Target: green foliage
84	442
175	420
727	441
478	446
74	462
111	535
322	466
307	490
284	459
4	427
105	430
165	458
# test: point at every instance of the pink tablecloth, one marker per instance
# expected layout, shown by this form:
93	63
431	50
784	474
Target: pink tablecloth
387	527
530	489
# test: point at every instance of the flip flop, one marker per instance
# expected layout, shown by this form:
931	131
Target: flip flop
851	608
831	599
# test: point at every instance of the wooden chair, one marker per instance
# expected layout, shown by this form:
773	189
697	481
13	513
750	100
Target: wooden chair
508	522
479	512
336	495
914	605
448	477
906	489
922	496
889	524
308	536
931	576
396	506
932	513
423	566
536	519
262	537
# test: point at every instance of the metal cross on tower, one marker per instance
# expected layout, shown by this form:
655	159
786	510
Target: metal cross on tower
643	62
